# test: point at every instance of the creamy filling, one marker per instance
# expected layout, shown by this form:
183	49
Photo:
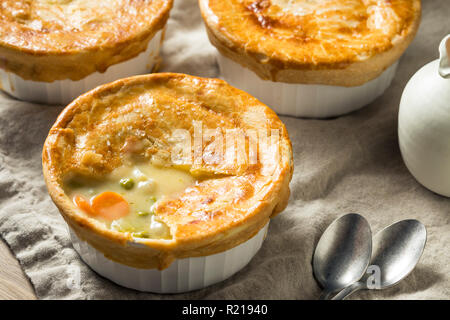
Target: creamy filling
125	200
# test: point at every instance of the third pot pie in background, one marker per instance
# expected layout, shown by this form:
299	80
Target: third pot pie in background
51	51
111	164
308	57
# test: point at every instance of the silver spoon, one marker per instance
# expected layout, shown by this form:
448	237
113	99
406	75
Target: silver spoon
343	253
396	251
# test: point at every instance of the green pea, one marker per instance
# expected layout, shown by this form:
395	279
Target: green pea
127	183
141	234
153	198
143	213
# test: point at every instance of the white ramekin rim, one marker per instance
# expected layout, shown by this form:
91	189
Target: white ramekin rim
183	275
305	100
62	92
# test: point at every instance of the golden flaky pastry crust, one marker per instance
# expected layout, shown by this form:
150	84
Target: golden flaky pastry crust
47	40
333	42
228	206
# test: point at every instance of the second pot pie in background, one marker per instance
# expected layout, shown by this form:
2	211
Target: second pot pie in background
311	58
51	51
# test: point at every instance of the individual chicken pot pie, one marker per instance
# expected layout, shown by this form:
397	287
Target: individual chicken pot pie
311	58
53	50
168	172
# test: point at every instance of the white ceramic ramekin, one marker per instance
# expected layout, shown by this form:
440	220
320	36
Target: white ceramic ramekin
64	91
182	275
305	100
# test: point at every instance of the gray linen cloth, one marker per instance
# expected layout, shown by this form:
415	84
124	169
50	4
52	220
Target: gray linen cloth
347	164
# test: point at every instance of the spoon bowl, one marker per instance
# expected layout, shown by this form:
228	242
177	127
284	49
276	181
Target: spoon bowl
396	251
343	253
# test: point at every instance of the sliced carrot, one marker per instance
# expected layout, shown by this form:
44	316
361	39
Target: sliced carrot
110	205
83	204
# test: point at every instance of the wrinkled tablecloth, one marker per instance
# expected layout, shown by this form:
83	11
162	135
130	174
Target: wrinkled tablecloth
347	164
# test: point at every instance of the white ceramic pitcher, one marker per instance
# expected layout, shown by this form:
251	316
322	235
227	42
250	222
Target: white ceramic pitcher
424	123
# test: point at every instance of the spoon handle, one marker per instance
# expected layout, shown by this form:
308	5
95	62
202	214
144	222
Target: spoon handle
326	294
344	293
